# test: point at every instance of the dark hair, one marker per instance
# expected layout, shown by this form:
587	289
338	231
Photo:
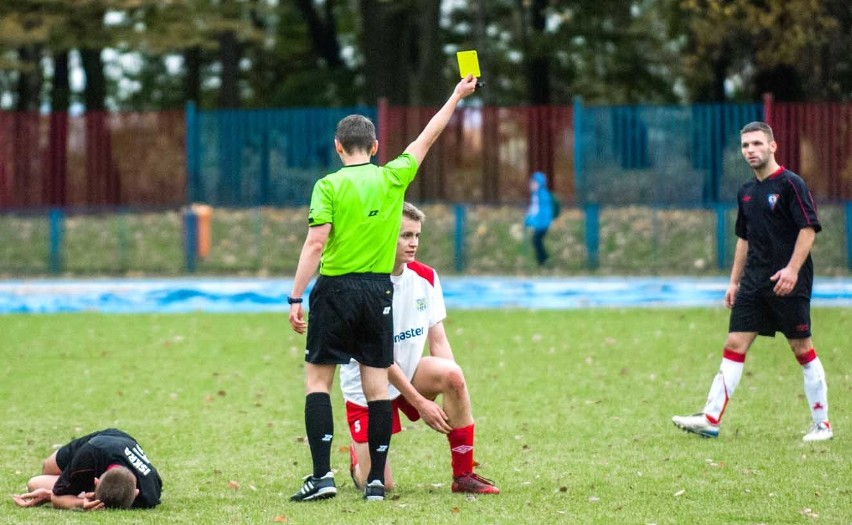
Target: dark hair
355	133
411	211
116	488
758	126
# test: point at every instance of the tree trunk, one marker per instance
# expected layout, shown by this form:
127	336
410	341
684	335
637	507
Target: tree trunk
322	31
229	55
537	59
102	180
426	86
30	79
192	81
386	46
26	127
55	190
93	65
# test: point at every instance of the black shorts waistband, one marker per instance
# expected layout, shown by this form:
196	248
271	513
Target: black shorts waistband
365	276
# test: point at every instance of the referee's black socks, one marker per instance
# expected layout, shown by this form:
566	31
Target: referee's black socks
319	425
379	429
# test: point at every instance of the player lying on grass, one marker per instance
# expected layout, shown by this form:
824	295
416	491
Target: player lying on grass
417	380
105	469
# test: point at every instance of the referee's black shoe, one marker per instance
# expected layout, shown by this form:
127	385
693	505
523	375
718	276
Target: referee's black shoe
316	488
374	491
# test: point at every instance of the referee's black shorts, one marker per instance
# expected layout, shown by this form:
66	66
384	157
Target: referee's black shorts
351	317
764	312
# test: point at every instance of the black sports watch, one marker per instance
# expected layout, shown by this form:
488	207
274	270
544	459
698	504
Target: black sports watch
294	300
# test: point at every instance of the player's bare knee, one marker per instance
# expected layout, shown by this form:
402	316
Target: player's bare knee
737	344
800	346
455	380
49	467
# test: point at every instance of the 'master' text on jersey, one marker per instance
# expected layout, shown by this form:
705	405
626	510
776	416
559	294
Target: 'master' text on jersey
408	334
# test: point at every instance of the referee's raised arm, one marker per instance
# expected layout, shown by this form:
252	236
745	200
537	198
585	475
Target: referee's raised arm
420	146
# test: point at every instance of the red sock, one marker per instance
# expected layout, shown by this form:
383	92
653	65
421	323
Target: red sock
461	450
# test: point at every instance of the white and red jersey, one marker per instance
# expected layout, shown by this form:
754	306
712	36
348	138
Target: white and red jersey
418	305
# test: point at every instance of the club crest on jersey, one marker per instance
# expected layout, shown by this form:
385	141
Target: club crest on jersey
773	200
420	304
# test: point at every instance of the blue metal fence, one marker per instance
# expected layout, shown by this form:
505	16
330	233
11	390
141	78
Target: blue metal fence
660	155
260	157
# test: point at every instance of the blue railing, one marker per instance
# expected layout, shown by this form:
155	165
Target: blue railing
260	157
660	155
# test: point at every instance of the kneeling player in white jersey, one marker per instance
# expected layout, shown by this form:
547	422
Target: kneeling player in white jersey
417	380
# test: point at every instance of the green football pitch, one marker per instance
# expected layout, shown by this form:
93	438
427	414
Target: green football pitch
573	412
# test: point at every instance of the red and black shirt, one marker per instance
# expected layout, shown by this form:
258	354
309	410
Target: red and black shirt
770	215
87	458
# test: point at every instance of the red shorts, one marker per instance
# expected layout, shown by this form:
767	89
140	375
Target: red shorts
357	417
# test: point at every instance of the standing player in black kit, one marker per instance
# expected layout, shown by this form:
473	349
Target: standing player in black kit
105	469
771	281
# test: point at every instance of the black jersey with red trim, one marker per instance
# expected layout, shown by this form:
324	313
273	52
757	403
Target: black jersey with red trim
770	215
102	449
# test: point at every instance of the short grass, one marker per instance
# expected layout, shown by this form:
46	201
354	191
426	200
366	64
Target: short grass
573	416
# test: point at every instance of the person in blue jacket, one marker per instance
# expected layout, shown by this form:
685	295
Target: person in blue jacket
539	214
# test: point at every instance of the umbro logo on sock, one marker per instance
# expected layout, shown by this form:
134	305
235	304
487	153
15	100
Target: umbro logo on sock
462	449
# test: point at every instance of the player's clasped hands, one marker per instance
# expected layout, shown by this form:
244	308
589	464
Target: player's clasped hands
90	502
42	496
32	499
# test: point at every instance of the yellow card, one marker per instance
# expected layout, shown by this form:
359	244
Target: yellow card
468	63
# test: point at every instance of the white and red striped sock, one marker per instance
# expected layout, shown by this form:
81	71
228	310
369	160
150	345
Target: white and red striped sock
724	384
816	389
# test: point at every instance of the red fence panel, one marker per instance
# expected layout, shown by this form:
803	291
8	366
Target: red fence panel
93	159
485	154
815	141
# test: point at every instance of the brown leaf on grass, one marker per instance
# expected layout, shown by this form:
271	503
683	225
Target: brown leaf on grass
343	448
208	398
563	489
221	393
280	519
233	485
456	510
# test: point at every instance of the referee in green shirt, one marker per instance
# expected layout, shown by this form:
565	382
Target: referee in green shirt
353	222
